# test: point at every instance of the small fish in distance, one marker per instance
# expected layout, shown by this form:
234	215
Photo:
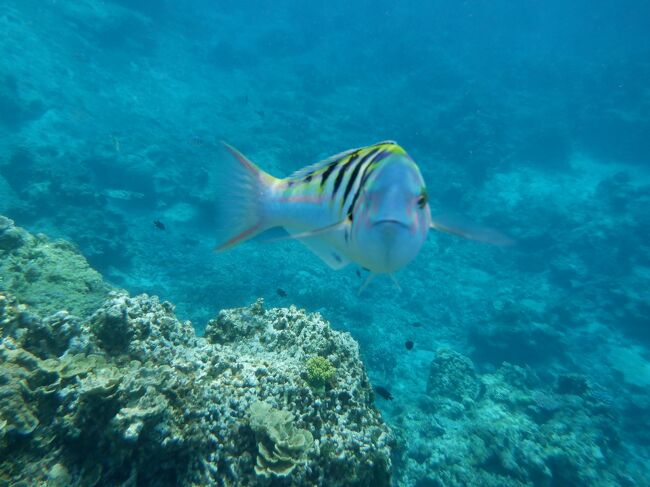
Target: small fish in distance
281	292
196	141
159	225
383	392
409	344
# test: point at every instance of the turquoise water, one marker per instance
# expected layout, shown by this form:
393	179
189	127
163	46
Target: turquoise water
531	118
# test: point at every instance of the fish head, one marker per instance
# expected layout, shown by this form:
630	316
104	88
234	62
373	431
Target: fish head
392	217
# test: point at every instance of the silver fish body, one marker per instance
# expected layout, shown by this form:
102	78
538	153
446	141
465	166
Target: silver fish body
366	205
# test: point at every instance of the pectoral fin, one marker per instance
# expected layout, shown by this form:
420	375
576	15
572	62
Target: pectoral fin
317	241
326	253
463	228
319	232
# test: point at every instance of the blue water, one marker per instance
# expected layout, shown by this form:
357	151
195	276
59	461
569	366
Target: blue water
532	118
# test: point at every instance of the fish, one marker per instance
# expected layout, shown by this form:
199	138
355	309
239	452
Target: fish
409	344
281	292
416	324
367	206
116	143
159	225
196	141
383	392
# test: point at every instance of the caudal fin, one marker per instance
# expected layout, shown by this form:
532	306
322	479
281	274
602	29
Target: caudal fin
240	194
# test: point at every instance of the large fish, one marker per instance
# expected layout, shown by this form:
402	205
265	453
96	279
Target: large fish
367	205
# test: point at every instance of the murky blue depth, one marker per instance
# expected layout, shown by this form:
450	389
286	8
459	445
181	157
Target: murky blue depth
531	118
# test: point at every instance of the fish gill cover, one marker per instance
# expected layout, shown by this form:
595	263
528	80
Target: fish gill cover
531	362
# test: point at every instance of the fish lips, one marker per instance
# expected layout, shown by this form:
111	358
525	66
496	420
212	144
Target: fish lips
390	221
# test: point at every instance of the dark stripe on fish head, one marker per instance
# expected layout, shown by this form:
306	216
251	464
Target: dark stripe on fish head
327	173
339	177
353	179
367	171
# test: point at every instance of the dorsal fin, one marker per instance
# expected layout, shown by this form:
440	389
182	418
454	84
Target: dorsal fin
321	165
314	168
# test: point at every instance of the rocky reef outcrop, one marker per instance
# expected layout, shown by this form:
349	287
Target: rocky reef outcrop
129	395
47	275
510	428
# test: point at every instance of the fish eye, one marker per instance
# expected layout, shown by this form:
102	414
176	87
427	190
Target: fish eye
423	199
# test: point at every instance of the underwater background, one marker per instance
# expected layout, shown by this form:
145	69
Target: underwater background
530	117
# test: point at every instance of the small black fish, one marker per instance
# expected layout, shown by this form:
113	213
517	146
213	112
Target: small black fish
416	324
409	344
159	225
261	113
383	392
358	273
281	292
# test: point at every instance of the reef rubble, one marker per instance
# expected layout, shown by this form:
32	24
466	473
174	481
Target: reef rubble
130	395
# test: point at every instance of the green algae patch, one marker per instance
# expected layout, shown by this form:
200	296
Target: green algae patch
47	275
320	373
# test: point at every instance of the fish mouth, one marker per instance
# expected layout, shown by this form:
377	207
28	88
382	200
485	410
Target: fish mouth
391	221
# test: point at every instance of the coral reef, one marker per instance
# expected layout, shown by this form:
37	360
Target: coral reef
47	275
130	395
507	428
528	117
452	375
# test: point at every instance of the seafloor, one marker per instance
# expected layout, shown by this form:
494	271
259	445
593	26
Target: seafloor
530	364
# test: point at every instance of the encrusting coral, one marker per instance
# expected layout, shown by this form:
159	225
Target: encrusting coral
130	395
